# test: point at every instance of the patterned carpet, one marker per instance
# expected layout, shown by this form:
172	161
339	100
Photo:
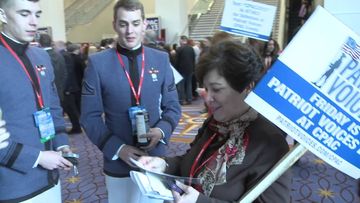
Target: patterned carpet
313	179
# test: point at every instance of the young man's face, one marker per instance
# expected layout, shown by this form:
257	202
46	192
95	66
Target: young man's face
130	27
20	19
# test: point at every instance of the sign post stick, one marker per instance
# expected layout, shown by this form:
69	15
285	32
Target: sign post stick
284	164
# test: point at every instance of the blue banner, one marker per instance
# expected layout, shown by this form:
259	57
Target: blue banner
309	109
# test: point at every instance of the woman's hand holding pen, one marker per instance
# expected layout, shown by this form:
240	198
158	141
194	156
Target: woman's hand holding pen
190	195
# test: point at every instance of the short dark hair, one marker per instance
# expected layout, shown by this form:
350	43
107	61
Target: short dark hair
45	40
72	47
220	36
237	62
5	3
276	47
129	5
183	37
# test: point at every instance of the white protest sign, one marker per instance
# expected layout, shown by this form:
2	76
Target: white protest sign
312	92
248	18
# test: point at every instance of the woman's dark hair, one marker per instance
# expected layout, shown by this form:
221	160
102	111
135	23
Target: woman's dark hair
276	48
238	63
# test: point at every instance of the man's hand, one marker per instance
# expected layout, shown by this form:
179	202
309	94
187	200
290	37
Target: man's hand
4	135
128	152
155	136
51	160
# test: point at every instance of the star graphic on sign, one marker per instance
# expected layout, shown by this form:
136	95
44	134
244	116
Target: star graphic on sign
73	179
74	201
325	193
319	161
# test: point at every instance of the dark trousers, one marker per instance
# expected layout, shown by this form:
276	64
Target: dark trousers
194	86
71	109
185	88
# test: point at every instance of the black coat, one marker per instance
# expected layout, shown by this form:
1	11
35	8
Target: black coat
185	60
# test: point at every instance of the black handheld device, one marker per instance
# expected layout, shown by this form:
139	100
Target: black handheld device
171	185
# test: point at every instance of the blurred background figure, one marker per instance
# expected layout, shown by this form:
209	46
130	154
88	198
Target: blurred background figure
72	88
58	63
107	43
150	39
270	53
79	68
305	10
185	65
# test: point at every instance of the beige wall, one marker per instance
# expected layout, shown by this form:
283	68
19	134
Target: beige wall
68	3
190	4
149	7
49	10
101	26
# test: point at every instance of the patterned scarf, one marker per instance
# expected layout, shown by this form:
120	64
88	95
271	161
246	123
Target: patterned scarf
232	152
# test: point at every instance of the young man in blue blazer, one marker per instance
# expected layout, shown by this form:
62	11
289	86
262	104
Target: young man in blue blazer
31	109
119	82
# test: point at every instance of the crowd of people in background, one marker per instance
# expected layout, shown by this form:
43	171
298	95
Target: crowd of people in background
182	58
70	59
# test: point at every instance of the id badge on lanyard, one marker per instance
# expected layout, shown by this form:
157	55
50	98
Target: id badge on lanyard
45	124
139	119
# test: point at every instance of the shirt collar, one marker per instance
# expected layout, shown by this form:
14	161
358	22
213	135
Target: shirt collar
18	47
129	53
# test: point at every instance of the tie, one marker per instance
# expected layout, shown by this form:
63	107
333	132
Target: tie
134	75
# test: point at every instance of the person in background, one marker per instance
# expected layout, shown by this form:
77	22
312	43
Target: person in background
31	108
58	62
305	10
185	65
196	46
92	50
230	153
205	45
150	39
119	83
79	68
169	50
106	43
72	88
84	51
270	53
174	47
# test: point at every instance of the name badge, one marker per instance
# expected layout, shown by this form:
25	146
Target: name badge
132	115
45	124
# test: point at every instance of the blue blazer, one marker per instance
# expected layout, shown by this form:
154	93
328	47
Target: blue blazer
18	179
106	91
